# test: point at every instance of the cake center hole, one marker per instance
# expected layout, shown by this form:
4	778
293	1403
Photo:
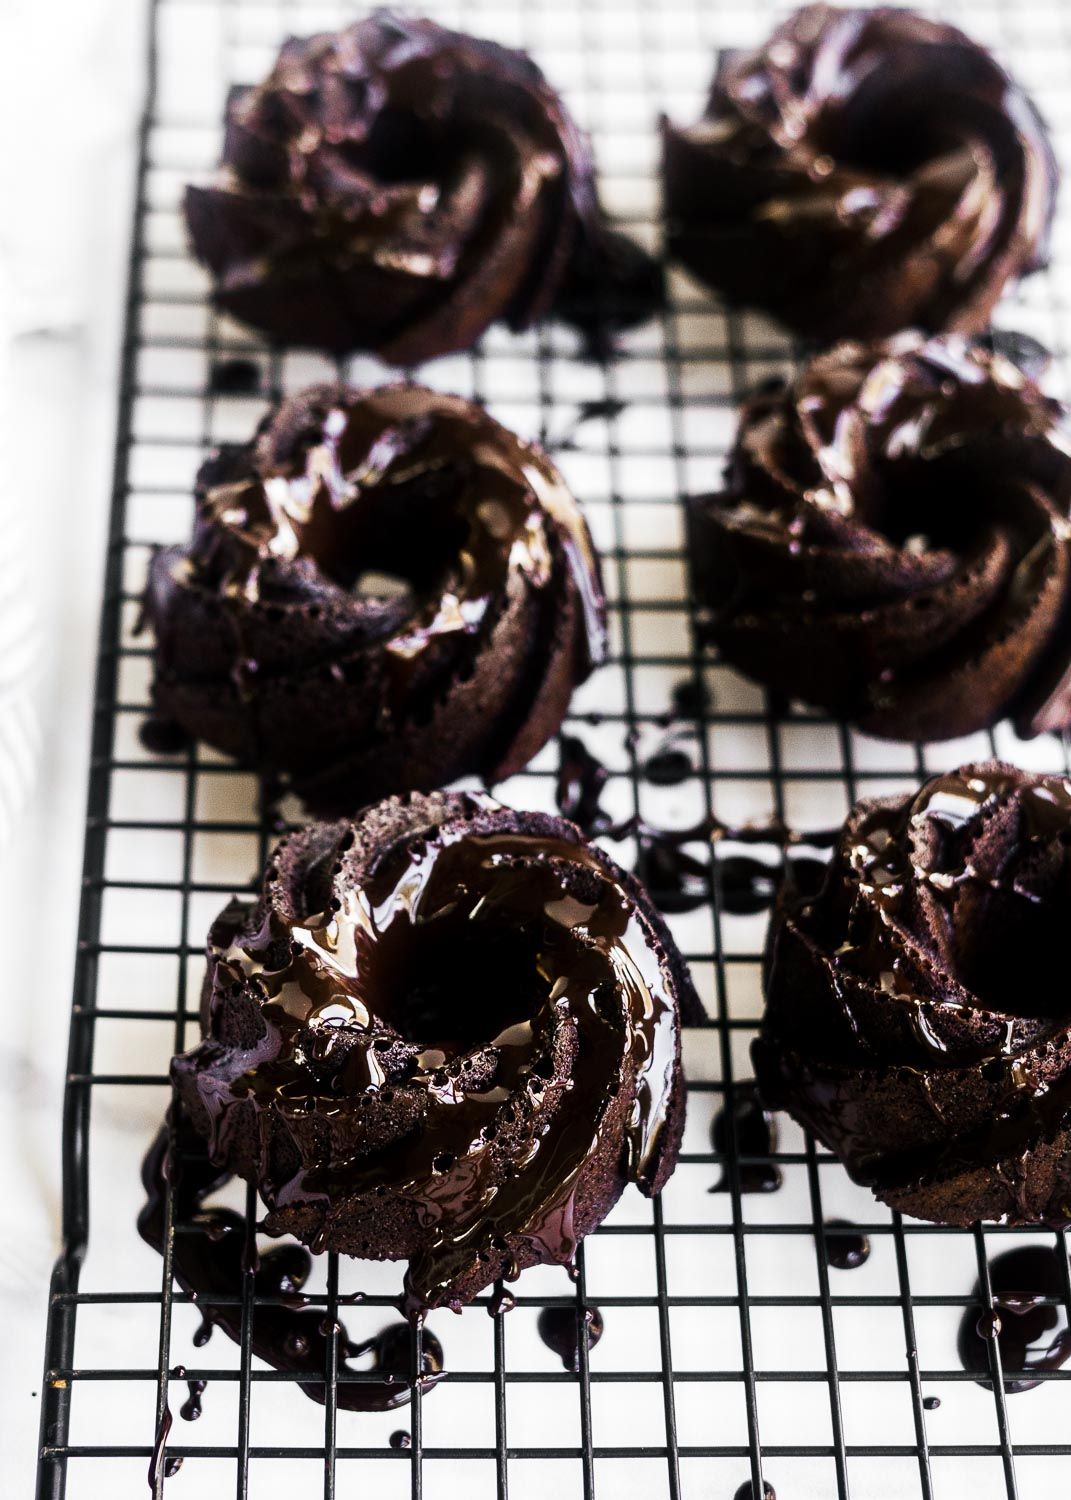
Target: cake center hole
391	542
457	984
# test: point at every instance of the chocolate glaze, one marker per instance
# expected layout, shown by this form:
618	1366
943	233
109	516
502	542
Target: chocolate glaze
397	187
845	1245
747	1491
1029	1322
605	409
401	1440
581	778
392	568
214	1252
450	963
756	1135
689	699
893	543
234	377
669	765
931	1403
864	171
191	1409
911	1017
157	1462
559	1328
163	736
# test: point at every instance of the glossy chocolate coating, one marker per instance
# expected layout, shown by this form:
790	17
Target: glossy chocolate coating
396	187
862	172
445	1033
916	1014
893	542
384	590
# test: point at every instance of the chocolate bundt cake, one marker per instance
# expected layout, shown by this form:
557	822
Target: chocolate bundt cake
445	1032
893	542
917	1017
385	590
397	187
864	171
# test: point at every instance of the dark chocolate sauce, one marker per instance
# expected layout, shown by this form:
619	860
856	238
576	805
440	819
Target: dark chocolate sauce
502	1301
401	1440
587	411
676	880
610	284
156	1459
1029	1320
234	377
668	766
746	885
392	1359
931	1403
756	1135
747	1491
211	1261
581	778
559	1329
846	1246
191	1408
163	736
688	698
202	1333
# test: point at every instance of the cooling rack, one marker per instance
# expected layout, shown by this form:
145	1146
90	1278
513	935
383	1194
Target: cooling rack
733	1354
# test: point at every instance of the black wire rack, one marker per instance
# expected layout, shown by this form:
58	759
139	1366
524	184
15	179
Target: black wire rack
733	1355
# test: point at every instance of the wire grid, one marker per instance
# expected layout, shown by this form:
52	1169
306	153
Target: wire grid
732	1352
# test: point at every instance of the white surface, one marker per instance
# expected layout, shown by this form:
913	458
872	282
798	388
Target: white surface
64	393
64	247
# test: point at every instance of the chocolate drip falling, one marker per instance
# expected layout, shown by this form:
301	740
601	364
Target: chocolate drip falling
756	1135
747	1491
559	1328
1029	1320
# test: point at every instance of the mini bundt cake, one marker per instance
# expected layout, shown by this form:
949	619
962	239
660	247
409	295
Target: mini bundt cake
862	172
445	1032
396	187
385	590
893	542
917	1017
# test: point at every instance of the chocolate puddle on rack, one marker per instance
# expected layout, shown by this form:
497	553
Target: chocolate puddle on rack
1029	1321
559	1328
845	1245
214	1252
677	878
756	1135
